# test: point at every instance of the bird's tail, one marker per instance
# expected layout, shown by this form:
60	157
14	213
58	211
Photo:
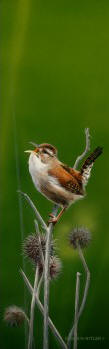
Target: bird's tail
87	166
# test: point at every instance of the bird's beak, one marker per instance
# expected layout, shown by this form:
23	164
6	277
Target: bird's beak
36	145
28	151
32	151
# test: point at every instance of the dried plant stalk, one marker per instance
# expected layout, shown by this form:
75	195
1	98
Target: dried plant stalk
41	308
87	148
38	216
46	281
76	309
87	281
30	339
84	295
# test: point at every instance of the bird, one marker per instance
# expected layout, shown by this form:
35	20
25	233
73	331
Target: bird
59	183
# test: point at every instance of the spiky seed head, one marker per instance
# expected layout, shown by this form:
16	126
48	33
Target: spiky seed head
55	267
14	316
31	247
80	236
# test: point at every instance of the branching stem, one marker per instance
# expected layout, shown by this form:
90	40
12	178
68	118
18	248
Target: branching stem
76	309
39	285
40	246
30	339
87	148
87	280
41	308
46	280
84	295
38	216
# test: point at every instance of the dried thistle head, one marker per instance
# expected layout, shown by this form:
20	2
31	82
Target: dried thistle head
80	236
14	316
31	247
55	267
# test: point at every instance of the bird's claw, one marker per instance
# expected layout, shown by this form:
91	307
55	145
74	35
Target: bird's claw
53	219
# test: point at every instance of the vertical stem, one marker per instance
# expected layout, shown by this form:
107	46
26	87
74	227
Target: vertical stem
84	295
76	310
87	148
87	280
39	285
30	339
41	308
38	216
39	238
46	281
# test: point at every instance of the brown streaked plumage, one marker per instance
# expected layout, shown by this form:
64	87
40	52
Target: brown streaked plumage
68	178
57	181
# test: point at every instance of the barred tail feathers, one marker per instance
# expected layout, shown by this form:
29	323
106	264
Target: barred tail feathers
88	164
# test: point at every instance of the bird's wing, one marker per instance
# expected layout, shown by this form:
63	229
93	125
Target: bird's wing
66	178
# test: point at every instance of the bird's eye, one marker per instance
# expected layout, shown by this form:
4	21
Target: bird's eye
48	152
45	151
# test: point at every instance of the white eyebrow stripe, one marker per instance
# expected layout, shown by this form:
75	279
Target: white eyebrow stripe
49	151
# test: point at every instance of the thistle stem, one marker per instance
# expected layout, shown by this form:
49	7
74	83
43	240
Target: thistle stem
41	308
87	280
46	280
84	295
39	285
30	339
34	209
87	148
76	309
27	319
40	246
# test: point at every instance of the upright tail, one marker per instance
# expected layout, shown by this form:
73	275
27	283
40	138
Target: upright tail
87	166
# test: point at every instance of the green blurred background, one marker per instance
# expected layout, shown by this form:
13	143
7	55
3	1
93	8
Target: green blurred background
55	82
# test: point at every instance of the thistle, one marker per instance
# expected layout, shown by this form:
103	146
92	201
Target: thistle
55	267
14	316
31	248
80	236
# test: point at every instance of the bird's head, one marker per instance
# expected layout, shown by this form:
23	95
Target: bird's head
45	152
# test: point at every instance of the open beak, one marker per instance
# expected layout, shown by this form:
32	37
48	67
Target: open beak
35	150
28	151
32	151
35	145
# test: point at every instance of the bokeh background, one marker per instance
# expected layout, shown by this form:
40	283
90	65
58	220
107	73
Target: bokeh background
55	82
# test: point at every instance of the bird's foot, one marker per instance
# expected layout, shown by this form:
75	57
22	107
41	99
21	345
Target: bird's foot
53	219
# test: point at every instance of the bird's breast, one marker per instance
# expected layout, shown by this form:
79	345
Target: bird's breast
38	171
48	185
